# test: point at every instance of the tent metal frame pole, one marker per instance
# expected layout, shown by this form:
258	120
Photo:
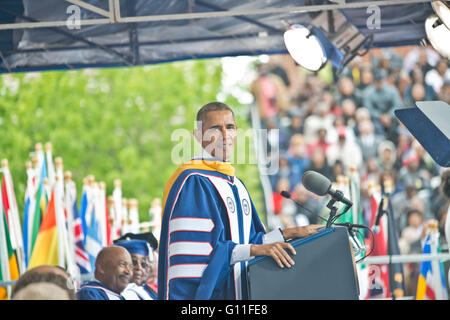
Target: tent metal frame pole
92	8
243	18
114	14
122	57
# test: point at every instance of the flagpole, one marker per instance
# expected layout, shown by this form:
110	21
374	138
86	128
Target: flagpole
69	194
105	212
28	209
124	227
395	276
354	190
118	212
59	216
133	215
155	213
112	222
435	264
65	259
50	166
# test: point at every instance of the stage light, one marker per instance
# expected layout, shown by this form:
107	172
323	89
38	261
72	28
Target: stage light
442	10
305	48
438	35
329	37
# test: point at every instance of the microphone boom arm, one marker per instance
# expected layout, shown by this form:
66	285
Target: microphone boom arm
333	211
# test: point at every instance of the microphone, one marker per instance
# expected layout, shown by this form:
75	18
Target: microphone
376	225
287	195
320	185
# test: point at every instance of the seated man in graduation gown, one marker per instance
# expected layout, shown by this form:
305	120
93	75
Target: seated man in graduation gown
113	273
210	227
138	289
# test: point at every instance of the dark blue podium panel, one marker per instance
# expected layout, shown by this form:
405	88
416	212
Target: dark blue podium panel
324	270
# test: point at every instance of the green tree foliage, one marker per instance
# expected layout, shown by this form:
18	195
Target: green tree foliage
112	123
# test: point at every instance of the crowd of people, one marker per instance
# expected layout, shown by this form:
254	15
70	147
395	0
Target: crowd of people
331	126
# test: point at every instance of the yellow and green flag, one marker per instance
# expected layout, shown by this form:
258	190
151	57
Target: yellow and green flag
45	250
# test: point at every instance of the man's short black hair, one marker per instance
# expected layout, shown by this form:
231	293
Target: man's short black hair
212	106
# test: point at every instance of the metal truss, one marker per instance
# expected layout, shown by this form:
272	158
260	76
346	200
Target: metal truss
113	14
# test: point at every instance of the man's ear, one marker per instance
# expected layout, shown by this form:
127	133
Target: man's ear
99	269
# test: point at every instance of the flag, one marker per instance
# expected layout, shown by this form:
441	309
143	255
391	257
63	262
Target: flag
12	216
343	185
38	207
46	247
83	209
29	203
431	284
81	257
9	269
65	259
93	238
378	273
99	209
396	277
356	217
109	235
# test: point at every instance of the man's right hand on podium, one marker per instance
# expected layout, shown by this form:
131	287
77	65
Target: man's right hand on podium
276	251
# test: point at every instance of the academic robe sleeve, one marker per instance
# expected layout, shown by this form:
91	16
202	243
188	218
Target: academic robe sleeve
91	294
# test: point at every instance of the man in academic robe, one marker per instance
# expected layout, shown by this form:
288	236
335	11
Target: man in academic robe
210	227
113	273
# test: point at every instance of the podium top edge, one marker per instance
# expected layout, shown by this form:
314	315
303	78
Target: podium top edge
299	241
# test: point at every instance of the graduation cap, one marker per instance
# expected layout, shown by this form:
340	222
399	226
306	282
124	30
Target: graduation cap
429	124
147	236
135	246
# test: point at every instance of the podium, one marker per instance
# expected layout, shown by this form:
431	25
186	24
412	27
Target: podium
324	269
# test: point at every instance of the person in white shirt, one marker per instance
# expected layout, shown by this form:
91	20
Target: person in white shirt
437	76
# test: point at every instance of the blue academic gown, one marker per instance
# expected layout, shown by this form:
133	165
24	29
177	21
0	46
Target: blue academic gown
206	214
95	290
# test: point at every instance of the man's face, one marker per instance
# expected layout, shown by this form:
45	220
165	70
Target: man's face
140	268
117	272
218	133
